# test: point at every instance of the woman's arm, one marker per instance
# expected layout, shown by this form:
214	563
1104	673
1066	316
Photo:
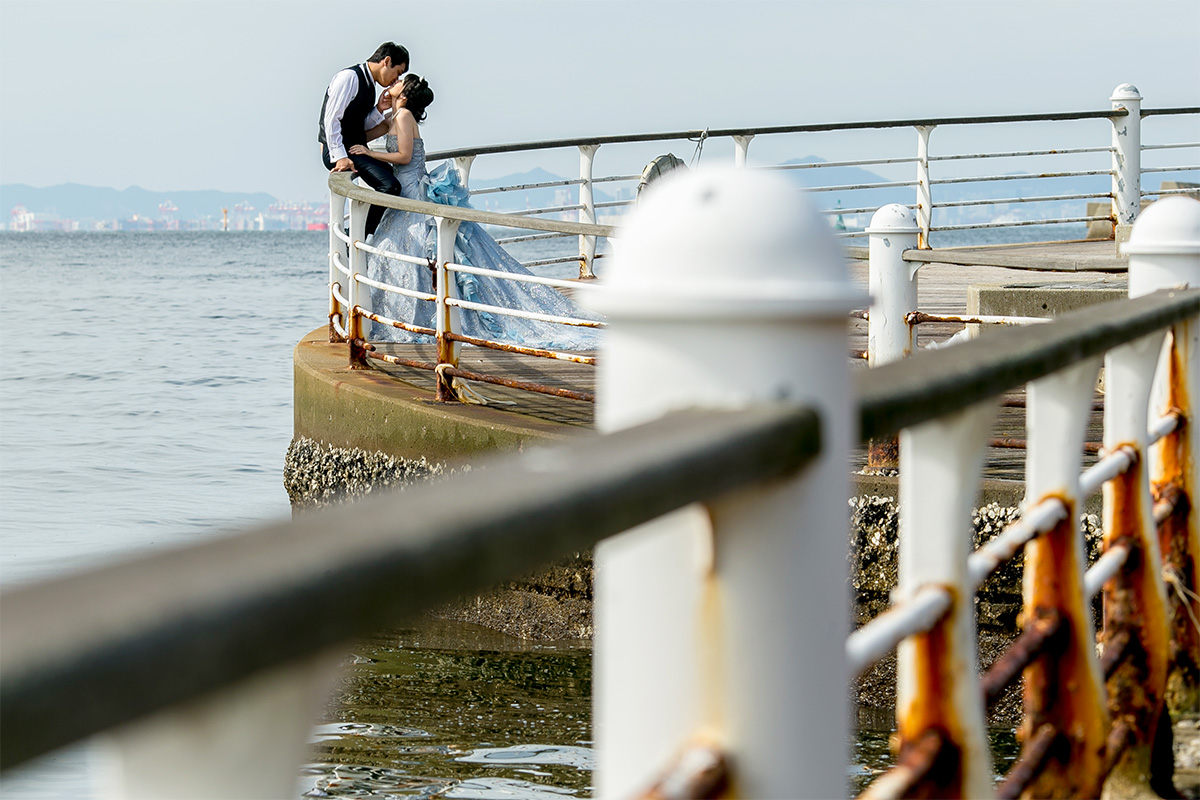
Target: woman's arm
405	128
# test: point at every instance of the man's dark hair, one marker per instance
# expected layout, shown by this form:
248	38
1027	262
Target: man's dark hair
398	54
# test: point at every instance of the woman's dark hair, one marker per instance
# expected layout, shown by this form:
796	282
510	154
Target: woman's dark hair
398	54
419	95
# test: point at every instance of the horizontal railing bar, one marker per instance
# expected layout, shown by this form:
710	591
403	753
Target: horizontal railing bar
612	178
557	283
402	362
337	325
512	383
862	210
395	323
387	287
1108	467
931	384
823	164
850	187
1181	168
341	265
533	237
1162	112
1165	192
523	314
550	144
1022	176
1005	545
545	262
1015	154
880	636
1106	566
335	290
547	210
1018	223
517	187
615	203
918	317
517	348
1040	199
1175	146
420	262
90	651
340	184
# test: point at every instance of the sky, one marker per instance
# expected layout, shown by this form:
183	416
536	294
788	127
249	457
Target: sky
187	94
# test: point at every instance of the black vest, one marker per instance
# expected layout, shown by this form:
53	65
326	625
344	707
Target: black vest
354	119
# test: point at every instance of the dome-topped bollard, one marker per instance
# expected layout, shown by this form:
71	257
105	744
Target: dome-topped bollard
721	627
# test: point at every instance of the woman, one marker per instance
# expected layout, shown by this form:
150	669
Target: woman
416	235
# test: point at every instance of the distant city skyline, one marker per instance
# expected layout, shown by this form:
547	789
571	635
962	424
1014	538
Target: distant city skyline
213	95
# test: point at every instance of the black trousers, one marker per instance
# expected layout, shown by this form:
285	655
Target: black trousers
377	174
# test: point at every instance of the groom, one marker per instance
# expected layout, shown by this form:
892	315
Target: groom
349	117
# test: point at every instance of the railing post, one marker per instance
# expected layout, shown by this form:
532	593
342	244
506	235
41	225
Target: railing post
1064	687
1164	251
447	317
337	212
357	294
924	190
587	214
1126	159
893	286
723	626
741	144
937	681
463	165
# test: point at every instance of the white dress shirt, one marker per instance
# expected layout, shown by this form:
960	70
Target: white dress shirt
341	91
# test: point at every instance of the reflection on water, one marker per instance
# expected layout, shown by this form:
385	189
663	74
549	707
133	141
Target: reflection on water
454	710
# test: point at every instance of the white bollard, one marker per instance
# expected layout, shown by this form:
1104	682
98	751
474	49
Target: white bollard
724	625
893	284
1126	159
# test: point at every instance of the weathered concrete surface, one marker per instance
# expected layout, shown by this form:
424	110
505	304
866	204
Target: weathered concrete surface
1043	299
366	409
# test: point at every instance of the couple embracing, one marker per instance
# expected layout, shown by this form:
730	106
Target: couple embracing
350	117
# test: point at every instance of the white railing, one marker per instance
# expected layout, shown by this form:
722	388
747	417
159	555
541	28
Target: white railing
939	180
722	615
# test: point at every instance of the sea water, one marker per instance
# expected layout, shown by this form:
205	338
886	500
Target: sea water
146	402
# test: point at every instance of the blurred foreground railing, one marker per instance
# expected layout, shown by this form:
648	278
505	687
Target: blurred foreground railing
716	497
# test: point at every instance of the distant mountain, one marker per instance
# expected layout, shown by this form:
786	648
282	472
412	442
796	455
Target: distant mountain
76	201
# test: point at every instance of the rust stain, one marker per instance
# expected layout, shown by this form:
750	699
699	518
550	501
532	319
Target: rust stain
1062	689
1133	605
932	711
1043	748
883	454
1178	540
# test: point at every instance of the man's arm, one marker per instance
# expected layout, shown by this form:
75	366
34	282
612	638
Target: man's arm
341	92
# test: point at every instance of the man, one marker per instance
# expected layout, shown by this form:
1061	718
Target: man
349	116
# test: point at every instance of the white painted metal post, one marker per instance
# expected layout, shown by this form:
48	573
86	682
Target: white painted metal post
893	284
1066	691
587	214
937	682
358	294
1164	252
1126	159
463	165
337	211
447	318
741	145
924	190
725	627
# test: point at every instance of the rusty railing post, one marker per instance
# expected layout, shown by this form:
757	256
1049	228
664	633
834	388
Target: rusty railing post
706	618
447	317
1064	687
893	286
357	294
1164	251
937	680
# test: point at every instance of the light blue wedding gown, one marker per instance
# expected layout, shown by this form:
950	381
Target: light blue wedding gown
416	235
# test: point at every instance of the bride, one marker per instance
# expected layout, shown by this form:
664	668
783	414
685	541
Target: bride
416	235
